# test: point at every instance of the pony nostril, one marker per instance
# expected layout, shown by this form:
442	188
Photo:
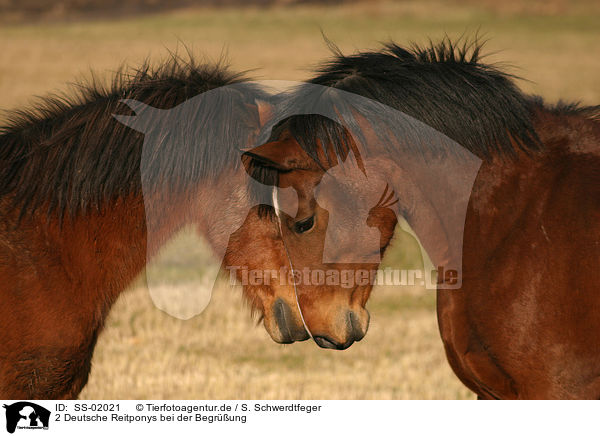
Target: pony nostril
356	332
283	315
289	330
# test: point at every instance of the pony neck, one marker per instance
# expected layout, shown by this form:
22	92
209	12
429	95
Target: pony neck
216	209
106	250
434	196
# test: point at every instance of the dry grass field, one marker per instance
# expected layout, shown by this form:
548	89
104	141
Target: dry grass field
144	353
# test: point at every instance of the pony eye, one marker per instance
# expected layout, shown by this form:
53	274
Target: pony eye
304	225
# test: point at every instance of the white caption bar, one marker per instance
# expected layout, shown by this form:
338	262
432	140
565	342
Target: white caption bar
297	417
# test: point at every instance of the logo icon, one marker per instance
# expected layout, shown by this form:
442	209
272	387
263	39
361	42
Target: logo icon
26	415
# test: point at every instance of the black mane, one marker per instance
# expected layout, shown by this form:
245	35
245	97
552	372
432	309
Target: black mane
562	107
69	154
444	86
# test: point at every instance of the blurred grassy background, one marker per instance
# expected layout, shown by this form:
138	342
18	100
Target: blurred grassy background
222	354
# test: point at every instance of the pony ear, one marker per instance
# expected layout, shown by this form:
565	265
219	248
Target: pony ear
283	155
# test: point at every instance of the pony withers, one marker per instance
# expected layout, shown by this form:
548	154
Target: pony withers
517	253
90	191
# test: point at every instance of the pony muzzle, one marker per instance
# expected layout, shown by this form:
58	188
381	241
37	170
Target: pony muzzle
289	328
354	327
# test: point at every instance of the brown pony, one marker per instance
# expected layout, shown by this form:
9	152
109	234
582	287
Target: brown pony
523	317
75	190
